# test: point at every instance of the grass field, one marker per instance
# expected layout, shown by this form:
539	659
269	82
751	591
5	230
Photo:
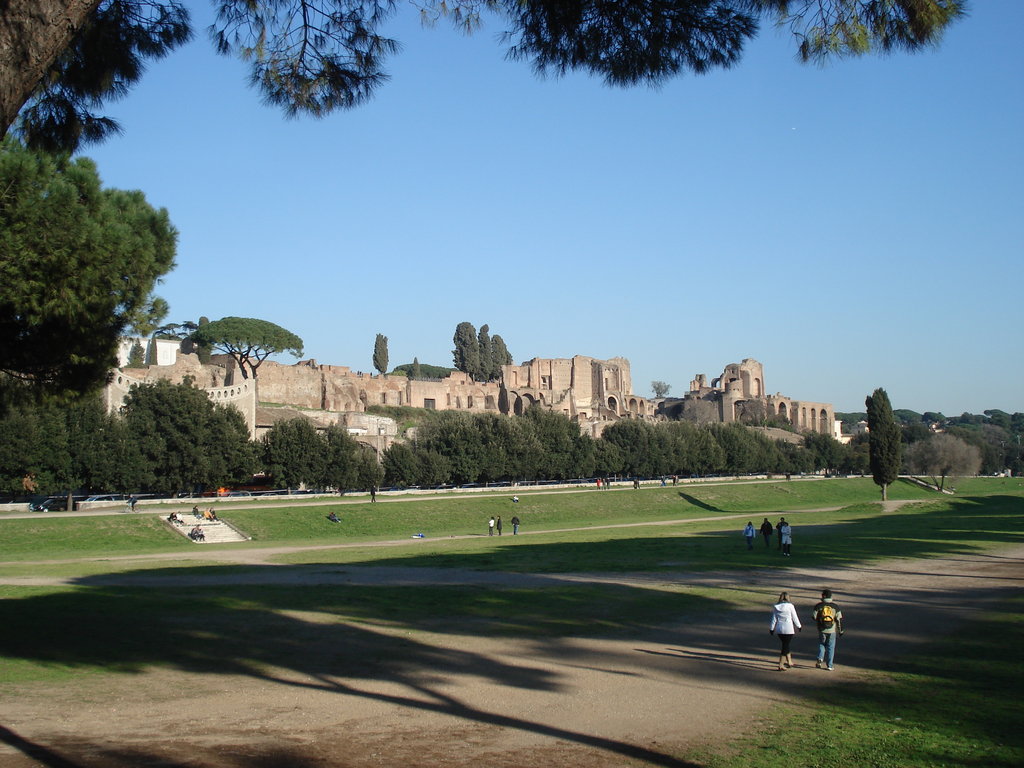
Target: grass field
933	710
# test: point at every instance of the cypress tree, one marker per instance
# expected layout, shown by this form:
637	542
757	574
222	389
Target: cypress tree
486	367
499	356
380	353
884	440
466	355
137	356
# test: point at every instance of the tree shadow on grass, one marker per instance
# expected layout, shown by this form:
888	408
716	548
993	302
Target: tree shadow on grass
346	640
935	529
699	503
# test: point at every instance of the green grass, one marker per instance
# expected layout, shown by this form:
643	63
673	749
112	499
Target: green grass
955	702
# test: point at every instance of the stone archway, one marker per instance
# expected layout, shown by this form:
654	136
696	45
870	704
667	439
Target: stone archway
613	405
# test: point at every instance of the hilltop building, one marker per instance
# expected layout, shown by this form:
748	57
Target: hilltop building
739	395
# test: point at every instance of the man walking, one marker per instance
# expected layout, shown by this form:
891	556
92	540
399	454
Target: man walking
515	525
829	618
766	531
748	534
490	527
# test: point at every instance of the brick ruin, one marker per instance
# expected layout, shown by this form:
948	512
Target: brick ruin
739	395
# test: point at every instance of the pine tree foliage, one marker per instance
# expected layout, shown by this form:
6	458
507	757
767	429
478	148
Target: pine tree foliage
316	56
78	264
107	54
248	340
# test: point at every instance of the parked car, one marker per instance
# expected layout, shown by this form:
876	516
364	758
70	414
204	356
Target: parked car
55	504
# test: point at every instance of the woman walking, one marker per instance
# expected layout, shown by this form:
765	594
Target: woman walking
786	623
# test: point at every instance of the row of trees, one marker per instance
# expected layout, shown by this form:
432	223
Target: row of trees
461	448
994	434
168	439
479	355
172	438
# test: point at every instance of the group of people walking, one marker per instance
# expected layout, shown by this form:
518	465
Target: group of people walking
783	530
494	524
786	623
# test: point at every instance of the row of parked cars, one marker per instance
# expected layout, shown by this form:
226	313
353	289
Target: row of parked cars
60	503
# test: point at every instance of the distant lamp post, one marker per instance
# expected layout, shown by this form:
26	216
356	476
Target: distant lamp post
380	442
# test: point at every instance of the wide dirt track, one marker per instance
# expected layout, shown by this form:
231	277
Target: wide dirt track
391	697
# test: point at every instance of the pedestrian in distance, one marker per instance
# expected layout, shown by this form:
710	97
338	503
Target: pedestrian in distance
829	618
373	494
786	623
515	525
786	536
748	534
497	524
490	527
766	531
132	501
778	532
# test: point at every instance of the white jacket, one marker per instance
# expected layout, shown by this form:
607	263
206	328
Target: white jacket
784	619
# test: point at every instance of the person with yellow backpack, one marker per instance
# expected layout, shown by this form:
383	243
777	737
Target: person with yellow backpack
829	619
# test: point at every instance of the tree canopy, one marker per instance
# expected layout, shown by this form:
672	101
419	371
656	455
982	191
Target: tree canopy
60	59
943	455
186	442
78	264
248	340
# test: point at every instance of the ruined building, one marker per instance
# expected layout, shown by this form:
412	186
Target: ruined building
739	394
592	391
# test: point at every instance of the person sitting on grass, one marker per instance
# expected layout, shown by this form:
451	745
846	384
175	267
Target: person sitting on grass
333	518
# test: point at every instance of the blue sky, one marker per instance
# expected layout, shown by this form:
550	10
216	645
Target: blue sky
851	227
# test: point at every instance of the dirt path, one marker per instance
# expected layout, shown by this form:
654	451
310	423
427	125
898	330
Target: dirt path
400	698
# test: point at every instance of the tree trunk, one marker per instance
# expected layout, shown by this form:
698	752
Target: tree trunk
884	495
33	33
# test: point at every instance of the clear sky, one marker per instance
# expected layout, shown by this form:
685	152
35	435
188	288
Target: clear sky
851	227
